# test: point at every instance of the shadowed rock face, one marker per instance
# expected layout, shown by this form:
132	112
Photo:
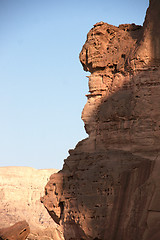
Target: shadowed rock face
18	231
109	187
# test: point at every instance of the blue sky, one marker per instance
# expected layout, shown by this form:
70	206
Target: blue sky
42	83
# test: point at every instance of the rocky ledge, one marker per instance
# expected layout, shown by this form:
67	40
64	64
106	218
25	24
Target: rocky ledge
109	187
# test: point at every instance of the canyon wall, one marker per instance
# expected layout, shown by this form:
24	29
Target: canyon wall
109	187
20	191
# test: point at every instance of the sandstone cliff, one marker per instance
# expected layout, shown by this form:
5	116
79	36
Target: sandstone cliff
20	191
109	187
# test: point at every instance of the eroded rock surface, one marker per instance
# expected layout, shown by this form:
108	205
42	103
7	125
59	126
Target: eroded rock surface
20	192
19	231
109	187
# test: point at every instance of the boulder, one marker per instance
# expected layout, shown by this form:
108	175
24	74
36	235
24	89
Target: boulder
19	231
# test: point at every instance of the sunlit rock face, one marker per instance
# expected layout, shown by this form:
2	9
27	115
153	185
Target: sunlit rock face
109	187
20	192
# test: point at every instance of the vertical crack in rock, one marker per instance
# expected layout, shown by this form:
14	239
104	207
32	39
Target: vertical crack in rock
109	187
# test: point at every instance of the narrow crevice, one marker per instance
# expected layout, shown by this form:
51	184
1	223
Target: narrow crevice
61	205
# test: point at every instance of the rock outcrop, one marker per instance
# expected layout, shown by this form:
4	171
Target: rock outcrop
20	192
19	231
109	187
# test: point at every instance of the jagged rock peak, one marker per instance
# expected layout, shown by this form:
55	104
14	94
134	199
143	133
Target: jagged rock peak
110	48
123	48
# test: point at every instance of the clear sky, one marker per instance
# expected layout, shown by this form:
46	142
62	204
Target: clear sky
42	83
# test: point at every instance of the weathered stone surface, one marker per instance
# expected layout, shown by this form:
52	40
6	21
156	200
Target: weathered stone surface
18	231
109	187
20	192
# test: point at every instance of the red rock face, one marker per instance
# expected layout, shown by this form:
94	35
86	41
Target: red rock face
18	231
109	187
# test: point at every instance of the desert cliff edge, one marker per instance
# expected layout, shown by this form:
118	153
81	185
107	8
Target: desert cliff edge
109	187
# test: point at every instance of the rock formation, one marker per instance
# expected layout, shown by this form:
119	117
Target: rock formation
18	231
109	187
20	192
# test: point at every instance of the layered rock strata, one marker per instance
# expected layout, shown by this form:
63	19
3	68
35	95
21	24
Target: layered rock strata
109	187
20	192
